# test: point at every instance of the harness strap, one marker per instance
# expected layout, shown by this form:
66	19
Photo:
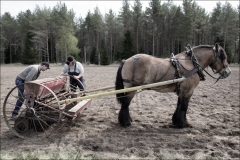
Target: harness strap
188	74
74	68
134	59
132	82
175	63
195	63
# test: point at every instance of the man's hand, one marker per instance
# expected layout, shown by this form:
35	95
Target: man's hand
76	77
63	74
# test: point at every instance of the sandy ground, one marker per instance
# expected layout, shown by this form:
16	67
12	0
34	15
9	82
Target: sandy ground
213	112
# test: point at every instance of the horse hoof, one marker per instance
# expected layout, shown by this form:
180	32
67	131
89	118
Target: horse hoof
127	124
130	120
124	125
174	122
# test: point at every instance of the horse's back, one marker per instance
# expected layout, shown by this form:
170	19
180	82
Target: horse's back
144	69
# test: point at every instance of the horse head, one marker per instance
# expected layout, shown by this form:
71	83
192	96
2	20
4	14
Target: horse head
219	63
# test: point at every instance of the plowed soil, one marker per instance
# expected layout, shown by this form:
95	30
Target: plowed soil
213	112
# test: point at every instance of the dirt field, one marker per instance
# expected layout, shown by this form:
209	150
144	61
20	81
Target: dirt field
213	112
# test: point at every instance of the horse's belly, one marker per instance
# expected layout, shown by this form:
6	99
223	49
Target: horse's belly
165	88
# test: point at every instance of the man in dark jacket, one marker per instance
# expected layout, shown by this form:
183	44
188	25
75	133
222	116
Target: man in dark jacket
75	71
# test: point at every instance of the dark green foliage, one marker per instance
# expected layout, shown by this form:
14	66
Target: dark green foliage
104	57
93	57
29	55
141	50
7	55
15	55
8	37
159	29
118	56
128	48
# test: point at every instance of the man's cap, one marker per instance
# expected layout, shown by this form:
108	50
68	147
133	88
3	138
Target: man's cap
46	64
70	59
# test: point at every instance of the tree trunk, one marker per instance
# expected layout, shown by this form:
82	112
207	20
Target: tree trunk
153	43
51	50
99	58
85	58
65	49
57	55
111	48
10	53
157	45
47	53
137	41
39	53
239	49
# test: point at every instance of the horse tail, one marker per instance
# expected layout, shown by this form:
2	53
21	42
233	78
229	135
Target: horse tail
119	83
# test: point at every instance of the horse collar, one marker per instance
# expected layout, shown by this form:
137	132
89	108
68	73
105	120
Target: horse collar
175	64
195	63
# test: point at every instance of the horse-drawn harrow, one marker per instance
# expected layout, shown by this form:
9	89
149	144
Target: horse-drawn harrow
48	102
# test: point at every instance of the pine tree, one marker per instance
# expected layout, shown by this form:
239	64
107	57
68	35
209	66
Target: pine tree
29	54
128	48
93	57
104	57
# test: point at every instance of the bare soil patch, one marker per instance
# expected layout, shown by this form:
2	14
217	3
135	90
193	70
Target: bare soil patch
213	112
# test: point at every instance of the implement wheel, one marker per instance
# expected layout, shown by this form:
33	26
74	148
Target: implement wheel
39	115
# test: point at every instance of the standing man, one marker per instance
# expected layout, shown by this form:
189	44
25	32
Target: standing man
75	71
30	73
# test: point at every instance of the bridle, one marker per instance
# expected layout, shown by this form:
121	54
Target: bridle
198	68
216	56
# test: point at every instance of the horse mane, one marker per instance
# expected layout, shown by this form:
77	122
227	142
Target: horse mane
198	47
203	46
222	53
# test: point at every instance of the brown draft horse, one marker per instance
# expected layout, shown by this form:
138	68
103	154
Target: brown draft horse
143	69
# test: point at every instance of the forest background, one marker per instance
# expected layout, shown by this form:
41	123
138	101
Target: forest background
51	34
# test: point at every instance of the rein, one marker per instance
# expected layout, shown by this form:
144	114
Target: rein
213	77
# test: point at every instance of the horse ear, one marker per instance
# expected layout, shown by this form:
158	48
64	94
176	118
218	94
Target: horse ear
216	47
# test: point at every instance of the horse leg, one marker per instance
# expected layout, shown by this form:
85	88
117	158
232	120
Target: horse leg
174	117
179	116
124	115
